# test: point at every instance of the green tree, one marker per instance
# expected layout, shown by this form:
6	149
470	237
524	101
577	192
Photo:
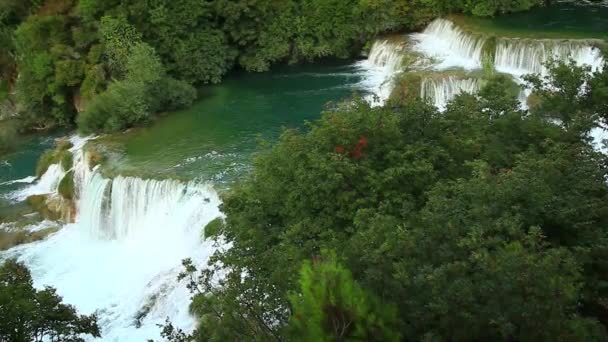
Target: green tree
27	314
331	306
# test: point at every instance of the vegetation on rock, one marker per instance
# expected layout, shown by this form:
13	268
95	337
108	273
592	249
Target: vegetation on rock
66	186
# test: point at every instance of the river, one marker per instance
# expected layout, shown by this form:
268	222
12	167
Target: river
139	218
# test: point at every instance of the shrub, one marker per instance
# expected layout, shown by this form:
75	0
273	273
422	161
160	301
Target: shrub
214	228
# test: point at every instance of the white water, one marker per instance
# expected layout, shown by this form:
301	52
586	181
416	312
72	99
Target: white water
124	252
519	57
449	45
47	184
440	91
384	62
28	179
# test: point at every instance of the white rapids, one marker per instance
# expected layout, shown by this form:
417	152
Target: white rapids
122	256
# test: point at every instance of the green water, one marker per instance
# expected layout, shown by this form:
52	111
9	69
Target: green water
215	139
22	163
561	20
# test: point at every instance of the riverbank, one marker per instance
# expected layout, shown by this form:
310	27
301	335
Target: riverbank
565	20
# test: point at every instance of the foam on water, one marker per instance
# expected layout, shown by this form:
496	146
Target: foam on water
384	62
519	57
440	91
122	256
449	45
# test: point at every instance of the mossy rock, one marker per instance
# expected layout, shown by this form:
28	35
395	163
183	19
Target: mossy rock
12	212
14	238
46	159
66	186
39	204
214	229
66	160
63	145
54	156
94	158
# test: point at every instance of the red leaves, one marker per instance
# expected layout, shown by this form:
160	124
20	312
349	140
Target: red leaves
357	151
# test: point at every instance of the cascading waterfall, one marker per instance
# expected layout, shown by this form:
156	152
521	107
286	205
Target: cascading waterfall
384	61
524	56
440	91
122	256
452	47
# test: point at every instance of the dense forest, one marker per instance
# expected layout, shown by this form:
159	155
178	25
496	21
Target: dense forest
485	222
109	65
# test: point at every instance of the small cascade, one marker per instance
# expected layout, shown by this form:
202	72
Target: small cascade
450	45
387	55
519	57
125	248
47	184
384	61
127	207
440	91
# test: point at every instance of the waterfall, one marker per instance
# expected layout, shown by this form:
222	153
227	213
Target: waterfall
122	255
440	92
384	61
524	56
47	184
450	45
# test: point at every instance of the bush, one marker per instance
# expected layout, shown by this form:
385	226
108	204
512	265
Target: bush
214	228
122	105
176	94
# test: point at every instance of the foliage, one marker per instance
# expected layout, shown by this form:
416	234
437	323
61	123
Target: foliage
331	306
564	97
68	53
27	314
214	228
471	222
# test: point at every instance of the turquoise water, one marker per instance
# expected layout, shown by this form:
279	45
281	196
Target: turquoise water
215	139
564	19
22	163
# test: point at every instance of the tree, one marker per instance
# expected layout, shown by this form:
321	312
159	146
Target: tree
472	222
27	314
562	95
331	306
